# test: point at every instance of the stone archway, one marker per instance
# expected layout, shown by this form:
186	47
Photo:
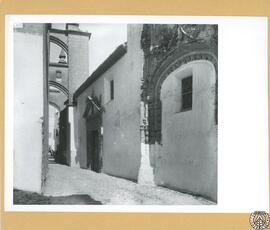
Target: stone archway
187	154
59	86
184	155
59	42
170	64
53	104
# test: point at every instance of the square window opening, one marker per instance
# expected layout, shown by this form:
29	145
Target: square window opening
111	90
186	94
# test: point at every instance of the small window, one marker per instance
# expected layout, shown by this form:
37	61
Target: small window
111	89
187	93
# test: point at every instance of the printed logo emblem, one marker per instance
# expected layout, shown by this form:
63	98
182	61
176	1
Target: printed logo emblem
259	220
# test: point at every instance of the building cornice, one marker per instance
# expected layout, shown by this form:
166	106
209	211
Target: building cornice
66	32
53	64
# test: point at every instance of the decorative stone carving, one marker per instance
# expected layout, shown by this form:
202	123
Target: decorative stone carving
160	39
92	105
166	48
146	38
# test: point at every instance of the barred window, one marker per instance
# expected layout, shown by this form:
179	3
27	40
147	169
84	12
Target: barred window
111	89
186	93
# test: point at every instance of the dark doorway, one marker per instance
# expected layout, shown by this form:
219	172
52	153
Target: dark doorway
93	150
63	156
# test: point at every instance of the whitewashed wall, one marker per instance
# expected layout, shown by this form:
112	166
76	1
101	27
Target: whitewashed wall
28	110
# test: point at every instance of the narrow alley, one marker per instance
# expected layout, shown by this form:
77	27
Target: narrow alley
147	112
63	181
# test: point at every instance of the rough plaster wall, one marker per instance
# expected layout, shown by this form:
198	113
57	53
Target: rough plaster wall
187	158
80	122
28	111
78	52
122	153
78	61
121	119
80	131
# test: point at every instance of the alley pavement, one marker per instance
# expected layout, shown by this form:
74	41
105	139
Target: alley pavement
64	181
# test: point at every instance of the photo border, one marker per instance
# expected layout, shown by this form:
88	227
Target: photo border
38	220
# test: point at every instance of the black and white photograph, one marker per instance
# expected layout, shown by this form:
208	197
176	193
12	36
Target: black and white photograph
136	114
115	114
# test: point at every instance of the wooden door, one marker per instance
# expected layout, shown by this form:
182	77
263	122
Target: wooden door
93	150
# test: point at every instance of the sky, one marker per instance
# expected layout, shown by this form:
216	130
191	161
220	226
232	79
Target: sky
105	38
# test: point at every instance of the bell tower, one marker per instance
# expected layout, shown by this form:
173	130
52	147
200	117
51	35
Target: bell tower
78	62
67	72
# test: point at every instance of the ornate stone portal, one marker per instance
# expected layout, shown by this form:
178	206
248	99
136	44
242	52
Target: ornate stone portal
166	48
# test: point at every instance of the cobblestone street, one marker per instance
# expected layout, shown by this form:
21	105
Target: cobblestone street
63	181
